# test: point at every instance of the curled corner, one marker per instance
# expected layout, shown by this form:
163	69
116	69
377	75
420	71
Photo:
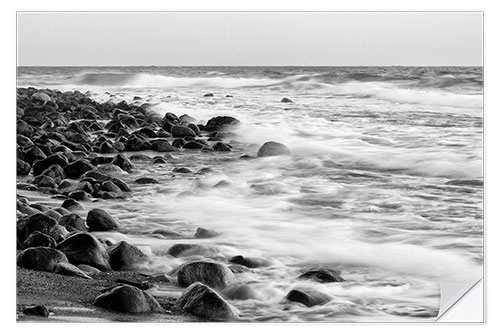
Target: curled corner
451	293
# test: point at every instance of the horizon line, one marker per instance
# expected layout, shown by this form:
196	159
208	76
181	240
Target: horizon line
441	65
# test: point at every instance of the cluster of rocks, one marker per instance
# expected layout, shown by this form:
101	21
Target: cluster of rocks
73	148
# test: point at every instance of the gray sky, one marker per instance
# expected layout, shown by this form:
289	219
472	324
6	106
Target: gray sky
267	39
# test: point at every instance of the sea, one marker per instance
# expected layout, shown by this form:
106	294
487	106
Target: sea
384	181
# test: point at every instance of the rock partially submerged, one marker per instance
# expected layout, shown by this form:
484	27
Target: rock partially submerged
212	274
37	310
100	220
308	297
272	148
84	248
124	256
200	300
322	275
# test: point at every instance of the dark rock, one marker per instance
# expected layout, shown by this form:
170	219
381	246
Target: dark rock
85	186
308	297
465	182
101	160
128	299
240	292
182	131
162	145
107	148
219	146
220	123
200	300
40	207
37	310
73	222
42	223
212	274
121	185
109	186
22	168
84	248
194	128
176	249
140	157
322	275
163	134
40	258
205	233
237	269
159	160
41	165
78	168
204	170
146	180
55	172
208	95
123	162
33	153
99	220
96	175
181	170
286	100
134	143
193	145
52	213
272	148
39	239
71	204
124	256
65	184
249	262
23	141
147	132
178	143
78	195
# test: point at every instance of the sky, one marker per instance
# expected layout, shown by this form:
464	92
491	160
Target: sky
249	39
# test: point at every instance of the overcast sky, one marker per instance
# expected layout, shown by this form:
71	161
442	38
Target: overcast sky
252	39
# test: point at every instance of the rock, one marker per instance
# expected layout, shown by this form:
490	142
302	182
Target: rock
212	274
181	170
73	222
107	148
220	123
200	300
99	220
71	204
272	148
240	292
55	172
40	258
22	168
128	299
182	131
121	184
286	100
123	162
65	268
322	275
88	269
237	269
124	256
111	169
308	297
162	145
99	176
194	128
176	249
85	186
219	146
134	143
146	180
84	248
205	233
41	165
109	186
33	153
42	223
23	141
54	214
140	157
194	145
78	195
78	168
178	143
208	95
249	262
37	310
39	239
65	184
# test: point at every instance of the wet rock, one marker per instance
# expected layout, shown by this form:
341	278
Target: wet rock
55	172
162	145
163	134
200	300
22	168
146	180
272	148
308	297
85	186
41	165
123	162
237	269
65	184
109	186
42	223
286	100
249	262
204	170
208	95
121	185
134	143
39	239
84	248
23	141
78	195
181	170
212	274
71	204
193	145
220	123
176	249
107	148
88	269
140	157
37	310
195	128
33	153
124	256
54	214
219	146
322	275
97	176
100	220
240	292
159	160
78	168
73	222
182	131
465	182
205	233
179	142
40	258
111	169
128	299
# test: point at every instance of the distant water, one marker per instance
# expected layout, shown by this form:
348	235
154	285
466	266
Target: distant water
366	189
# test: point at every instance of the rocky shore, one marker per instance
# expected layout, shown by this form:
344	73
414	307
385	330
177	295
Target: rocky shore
72	150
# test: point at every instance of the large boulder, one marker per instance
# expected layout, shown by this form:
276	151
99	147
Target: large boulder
182	131
39	239
73	222
162	145
123	162
128	299
176	249
107	148
308	297
42	223
78	168
41	165
22	168
212	274
220	123
84	248
272	148
33	153
100	220
124	256
200	300
55	172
